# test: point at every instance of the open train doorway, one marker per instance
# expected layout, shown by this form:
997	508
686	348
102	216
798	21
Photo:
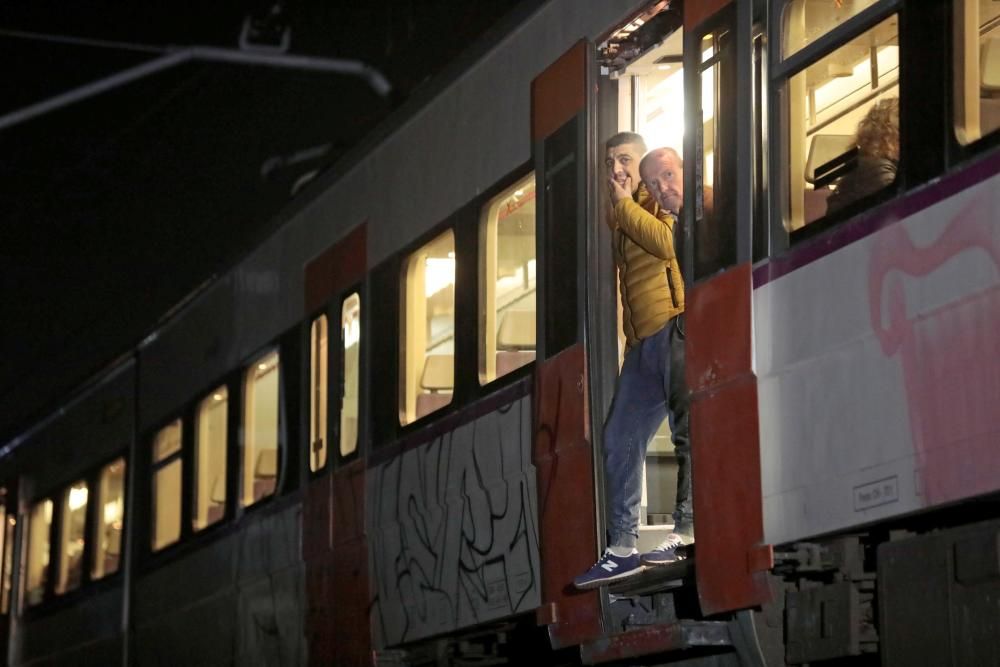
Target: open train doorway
642	91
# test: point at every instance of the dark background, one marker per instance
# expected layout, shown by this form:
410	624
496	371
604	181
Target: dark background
114	208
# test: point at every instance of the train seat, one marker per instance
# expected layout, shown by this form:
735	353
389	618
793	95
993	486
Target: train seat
989	103
989	64
216	500
265	473
436	383
823	149
515	340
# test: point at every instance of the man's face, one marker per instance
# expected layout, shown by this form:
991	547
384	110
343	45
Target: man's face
622	162
664	177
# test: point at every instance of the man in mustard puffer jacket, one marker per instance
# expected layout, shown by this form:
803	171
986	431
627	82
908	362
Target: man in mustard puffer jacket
645	222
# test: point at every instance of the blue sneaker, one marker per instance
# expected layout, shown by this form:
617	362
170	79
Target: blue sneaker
666	552
609	568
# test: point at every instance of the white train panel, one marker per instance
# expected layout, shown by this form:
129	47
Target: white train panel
879	370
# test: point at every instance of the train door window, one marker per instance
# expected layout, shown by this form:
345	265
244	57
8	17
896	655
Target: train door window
37	570
507	285
167	465
350	368
72	537
840	107
260	429
107	535
210	459
977	68
318	342
715	171
7	550
427	329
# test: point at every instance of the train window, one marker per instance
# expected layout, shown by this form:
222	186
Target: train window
427	329
507	286
977	68
167	466
715	171
805	21
110	520
72	536
210	459
842	115
350	365
318	340
260	429
9	526
7	551
37	571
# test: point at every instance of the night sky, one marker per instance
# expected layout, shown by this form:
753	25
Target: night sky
114	208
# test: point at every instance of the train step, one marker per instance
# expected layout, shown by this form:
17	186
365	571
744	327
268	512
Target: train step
658	578
657	638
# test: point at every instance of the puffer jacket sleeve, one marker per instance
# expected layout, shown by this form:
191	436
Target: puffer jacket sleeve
654	234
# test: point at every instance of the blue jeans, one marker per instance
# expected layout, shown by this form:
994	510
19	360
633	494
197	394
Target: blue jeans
650	387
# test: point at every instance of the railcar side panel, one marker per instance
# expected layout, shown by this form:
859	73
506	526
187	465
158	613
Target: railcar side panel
879	362
98	426
452	525
237	600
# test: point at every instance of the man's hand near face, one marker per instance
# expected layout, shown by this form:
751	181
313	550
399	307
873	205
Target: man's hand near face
617	191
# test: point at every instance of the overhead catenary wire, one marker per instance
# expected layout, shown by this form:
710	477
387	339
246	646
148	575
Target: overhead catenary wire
172	56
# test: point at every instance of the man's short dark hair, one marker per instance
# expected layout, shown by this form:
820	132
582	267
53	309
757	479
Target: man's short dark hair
626	138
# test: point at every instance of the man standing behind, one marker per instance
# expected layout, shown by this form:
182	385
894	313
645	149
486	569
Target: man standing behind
651	384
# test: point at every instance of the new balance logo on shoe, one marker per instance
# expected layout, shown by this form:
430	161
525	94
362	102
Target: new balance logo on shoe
609	568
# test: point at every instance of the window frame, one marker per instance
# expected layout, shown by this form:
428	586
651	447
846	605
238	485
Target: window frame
93	520
190	491
48	587
8	585
339	370
329	368
400	336
958	151
91	477
154	467
780	72
482	205
280	440
732	231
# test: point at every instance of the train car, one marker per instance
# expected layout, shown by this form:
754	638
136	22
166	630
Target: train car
377	439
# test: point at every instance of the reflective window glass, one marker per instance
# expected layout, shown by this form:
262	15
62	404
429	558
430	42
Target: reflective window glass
260	429
210	459
507	268
9	526
72	534
318	338
843	126
110	520
167	463
350	323
805	21
427	329
977	68
37	570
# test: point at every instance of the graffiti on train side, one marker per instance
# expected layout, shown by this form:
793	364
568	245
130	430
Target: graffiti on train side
950	351
453	529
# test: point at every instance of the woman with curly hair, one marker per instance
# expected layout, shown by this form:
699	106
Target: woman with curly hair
877	139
